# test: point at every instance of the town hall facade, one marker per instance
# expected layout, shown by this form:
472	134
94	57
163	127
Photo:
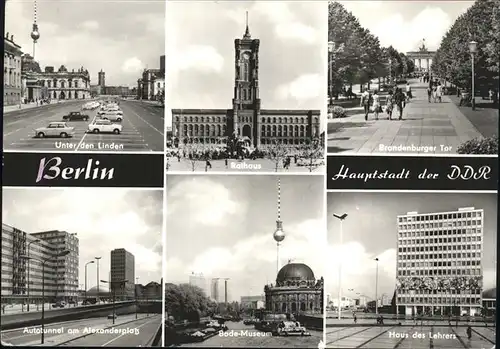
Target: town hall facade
255	126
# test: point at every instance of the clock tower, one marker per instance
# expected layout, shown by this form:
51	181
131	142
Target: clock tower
246	101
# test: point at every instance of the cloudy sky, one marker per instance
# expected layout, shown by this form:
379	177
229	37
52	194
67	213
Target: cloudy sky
104	219
119	37
403	24
222	226
370	232
200	52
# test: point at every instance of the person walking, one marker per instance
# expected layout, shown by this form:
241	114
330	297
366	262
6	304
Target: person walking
389	104
376	104
365	103
408	92
399	100
429	93
469	332
439	92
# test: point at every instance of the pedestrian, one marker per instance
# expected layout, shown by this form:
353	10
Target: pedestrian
355	318
365	103
439	92
225	161
376	104
429	93
469	332
408	92
389	105
398	100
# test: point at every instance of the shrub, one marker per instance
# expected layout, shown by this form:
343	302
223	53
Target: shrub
488	145
338	112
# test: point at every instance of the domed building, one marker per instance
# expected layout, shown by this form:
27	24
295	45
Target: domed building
296	291
103	292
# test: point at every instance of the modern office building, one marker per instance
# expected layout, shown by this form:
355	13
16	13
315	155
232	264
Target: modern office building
22	277
199	281
123	274
439	269
214	290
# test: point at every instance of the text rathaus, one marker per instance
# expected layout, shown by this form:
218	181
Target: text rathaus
246	119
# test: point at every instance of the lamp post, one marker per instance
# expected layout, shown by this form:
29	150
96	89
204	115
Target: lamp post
331	48
341	218
97	276
473	51
43	261
376	287
28	276
135	292
112	283
86	264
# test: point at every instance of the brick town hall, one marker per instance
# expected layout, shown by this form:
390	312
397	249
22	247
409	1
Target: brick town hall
254	126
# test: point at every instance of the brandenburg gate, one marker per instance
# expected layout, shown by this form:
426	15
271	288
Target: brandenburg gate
422	58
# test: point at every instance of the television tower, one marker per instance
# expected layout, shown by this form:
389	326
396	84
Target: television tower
279	234
35	34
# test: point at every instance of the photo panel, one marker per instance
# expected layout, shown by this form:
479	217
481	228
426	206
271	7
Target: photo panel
82	267
244	261
411	270
84	76
246	86
420	77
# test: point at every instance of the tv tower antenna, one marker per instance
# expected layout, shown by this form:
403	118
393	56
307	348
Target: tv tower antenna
279	234
35	34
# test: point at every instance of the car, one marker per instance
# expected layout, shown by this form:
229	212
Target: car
104	126
112	116
58	305
290	328
55	129
75	115
112	316
110	111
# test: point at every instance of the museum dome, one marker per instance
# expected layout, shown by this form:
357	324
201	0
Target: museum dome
295	272
103	291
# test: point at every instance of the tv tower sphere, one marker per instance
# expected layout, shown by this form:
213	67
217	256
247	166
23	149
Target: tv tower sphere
35	34
279	235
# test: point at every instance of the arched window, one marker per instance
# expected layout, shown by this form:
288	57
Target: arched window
246	71
63	85
263	131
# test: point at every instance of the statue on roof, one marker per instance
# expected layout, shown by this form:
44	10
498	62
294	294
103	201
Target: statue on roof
422	47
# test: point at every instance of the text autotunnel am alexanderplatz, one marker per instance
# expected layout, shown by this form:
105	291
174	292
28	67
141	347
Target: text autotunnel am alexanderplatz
83	170
412	173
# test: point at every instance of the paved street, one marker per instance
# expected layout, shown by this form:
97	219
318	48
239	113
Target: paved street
143	129
249	340
134	334
259	165
429	128
61	332
415	337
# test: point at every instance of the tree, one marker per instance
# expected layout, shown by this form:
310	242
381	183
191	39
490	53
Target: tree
187	302
452	60
313	154
277	152
195	153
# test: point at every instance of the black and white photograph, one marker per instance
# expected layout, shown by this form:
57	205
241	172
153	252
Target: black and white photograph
419	77
84	76
411	270
246	86
248	271
82	267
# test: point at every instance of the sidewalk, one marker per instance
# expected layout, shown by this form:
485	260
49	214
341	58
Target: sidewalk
17	107
428	127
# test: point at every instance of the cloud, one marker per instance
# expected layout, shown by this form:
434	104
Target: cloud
244	261
132	65
90	25
407	35
358	269
209	202
305	87
286	24
197	57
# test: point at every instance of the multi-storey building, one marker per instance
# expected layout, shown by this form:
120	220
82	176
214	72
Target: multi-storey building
122	274
11	71
199	281
65	84
22	277
214	290
439	267
245	119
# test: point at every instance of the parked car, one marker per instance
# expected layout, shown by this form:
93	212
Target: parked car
104	126
59	305
55	129
112	316
112	116
75	115
290	328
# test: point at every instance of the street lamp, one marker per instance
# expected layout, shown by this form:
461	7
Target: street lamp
112	283
341	218
331	48
97	297
135	292
91	262
43	261
28	276
376	287
473	51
